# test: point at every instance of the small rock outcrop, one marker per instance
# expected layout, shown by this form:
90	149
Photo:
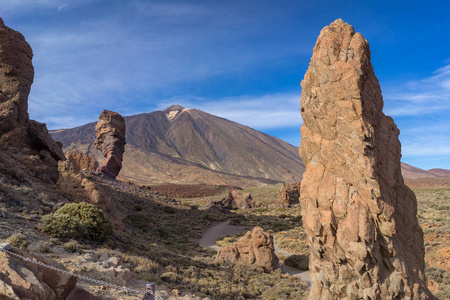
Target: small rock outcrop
289	195
25	280
110	140
241	200
359	216
28	140
234	200
20	279
82	161
255	248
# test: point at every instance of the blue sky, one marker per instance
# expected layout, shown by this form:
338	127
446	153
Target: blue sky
242	60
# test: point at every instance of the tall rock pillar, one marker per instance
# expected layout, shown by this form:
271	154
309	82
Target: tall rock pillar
19	134
110	140
360	217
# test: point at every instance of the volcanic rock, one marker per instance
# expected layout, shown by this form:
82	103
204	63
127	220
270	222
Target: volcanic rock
241	200
18	134
25	280
16	77
42	140
82	161
223	205
255	248
360	217
110	140
289	195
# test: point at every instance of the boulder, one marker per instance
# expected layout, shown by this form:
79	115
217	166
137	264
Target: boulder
359	216
82	161
80	294
223	205
255	248
25	280
241	200
289	195
110	140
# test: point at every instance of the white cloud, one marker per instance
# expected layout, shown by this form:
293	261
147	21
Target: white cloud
427	96
259	112
63	7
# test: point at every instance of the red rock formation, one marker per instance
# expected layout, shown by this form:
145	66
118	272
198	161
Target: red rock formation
16	77
110	134
23	137
289	195
255	248
241	200
360	217
82	161
26	280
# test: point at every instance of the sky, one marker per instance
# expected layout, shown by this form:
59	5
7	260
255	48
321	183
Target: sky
241	60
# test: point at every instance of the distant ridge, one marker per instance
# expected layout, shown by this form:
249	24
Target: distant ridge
182	145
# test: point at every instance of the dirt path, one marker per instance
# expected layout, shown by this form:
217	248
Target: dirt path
217	230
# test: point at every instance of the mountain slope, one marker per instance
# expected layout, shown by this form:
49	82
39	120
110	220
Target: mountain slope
181	145
191	146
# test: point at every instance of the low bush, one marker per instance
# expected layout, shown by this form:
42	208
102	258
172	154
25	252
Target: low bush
78	220
300	262
18	240
72	246
169	209
139	220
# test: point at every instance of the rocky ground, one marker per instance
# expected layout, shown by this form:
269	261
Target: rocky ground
155	239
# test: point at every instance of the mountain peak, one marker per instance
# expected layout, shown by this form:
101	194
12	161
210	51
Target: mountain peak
173	110
173	107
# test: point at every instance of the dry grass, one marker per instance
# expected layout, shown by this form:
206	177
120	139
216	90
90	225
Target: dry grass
434	214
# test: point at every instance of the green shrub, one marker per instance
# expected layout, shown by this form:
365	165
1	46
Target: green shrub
45	248
72	246
169	277
296	219
169	209
208	217
300	262
138	207
63	225
139	220
18	240
163	232
280	227
78	220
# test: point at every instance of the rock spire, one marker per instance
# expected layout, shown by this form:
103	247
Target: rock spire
360	217
26	138
110	140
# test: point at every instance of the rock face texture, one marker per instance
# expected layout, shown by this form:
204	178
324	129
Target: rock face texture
25	280
16	77
289	195
241	200
360	217
255	248
82	161
17	132
110	140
